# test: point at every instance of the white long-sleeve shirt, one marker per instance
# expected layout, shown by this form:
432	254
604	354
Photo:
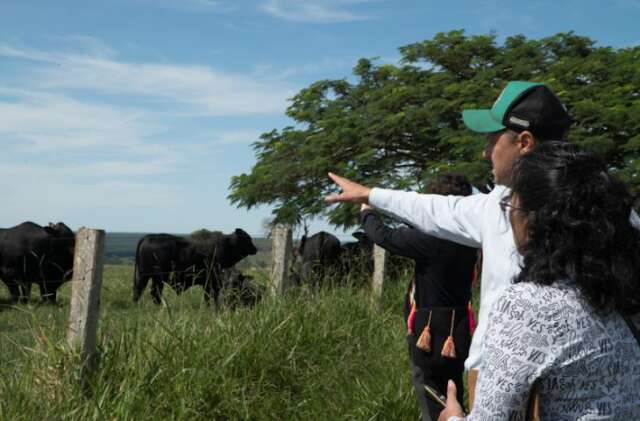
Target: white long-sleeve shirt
475	221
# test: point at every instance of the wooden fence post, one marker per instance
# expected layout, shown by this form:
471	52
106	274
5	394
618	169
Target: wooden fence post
282	244
379	270
85	293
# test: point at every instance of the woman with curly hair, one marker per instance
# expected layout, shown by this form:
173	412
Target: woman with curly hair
566	327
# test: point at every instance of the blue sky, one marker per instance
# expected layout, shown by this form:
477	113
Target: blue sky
132	115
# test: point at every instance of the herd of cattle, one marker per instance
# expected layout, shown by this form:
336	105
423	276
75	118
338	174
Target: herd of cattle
33	254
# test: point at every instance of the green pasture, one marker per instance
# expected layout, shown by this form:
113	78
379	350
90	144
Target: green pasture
310	355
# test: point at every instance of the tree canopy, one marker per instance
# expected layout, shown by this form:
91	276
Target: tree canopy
398	126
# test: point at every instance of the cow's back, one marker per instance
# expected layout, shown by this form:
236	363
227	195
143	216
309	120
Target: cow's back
23	240
321	247
158	251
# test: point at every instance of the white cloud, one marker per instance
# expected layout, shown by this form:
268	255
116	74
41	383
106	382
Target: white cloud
86	135
314	11
90	45
50	121
201	89
194	5
7	50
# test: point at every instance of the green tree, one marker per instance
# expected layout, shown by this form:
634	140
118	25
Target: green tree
398	126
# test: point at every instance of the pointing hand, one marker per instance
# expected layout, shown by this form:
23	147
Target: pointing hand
351	192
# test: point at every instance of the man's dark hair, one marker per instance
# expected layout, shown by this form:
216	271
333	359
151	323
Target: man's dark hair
578	225
449	184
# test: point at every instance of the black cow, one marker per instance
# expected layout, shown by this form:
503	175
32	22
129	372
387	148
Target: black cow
357	259
32	253
317	256
186	261
357	256
358	249
240	290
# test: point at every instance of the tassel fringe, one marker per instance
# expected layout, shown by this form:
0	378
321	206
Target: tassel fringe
424	341
411	320
414	307
449	347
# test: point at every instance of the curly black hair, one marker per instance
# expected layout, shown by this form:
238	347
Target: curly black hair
578	226
449	184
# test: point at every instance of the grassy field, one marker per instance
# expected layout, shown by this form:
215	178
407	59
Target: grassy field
310	355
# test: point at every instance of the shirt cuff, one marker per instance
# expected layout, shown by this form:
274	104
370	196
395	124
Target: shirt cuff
456	418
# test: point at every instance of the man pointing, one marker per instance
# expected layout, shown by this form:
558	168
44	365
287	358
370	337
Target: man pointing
525	114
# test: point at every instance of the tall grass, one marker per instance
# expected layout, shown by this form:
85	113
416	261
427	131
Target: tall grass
324	354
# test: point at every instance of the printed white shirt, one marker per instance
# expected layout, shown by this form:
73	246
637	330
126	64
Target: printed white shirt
586	364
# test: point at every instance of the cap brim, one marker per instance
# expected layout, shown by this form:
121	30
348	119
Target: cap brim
481	121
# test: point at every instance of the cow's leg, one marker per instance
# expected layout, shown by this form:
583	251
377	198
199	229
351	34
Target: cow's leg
139	284
212	290
48	292
25	291
305	272
156	289
14	290
208	292
179	283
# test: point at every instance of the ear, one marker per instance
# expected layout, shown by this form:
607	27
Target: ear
527	142
51	230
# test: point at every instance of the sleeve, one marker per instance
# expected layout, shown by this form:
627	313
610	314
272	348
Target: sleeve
407	242
516	353
455	218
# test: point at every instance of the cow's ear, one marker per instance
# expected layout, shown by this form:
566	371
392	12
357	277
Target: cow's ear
51	229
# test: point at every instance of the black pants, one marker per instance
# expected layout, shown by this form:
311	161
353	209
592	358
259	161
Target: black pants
432	368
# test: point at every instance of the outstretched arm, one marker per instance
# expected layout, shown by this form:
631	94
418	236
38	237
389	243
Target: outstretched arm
407	242
455	218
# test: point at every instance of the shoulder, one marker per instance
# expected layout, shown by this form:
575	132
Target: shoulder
498	194
546	310
538	295
515	301
488	203
526	300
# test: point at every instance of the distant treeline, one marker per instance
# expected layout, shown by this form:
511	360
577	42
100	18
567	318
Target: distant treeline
120	248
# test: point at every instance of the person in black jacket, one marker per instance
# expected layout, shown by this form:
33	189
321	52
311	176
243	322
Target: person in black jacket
437	298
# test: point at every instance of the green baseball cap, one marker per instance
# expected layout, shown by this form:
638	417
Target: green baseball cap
521	106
